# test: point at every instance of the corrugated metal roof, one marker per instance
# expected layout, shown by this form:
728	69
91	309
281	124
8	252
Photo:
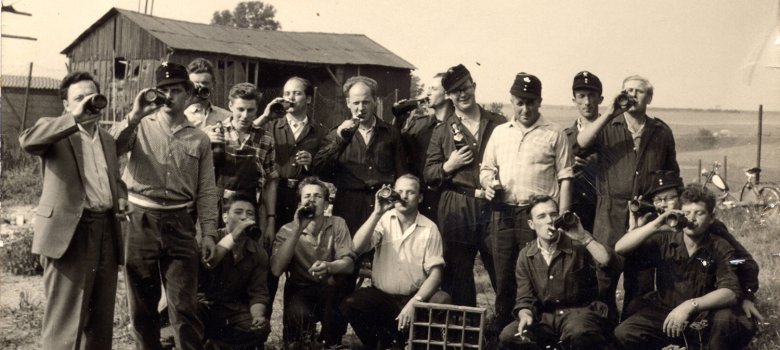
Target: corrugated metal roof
298	47
39	83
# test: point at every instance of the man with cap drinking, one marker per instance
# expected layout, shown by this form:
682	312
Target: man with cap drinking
586	90
170	180
529	156
452	164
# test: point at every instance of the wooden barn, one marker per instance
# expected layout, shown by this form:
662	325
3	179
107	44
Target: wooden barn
123	48
43	101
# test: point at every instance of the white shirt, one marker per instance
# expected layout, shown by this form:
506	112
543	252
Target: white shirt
96	183
296	126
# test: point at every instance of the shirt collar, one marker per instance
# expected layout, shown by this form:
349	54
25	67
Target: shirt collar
94	134
290	120
564	245
370	128
539	123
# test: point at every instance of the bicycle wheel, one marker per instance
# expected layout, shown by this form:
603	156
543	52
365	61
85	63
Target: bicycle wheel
770	197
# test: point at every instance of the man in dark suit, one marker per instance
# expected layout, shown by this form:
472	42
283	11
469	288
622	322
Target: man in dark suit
76	230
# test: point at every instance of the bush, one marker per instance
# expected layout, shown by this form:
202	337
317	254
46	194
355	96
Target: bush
20	175
706	138
17	256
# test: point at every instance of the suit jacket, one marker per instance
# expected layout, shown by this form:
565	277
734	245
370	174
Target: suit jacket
57	142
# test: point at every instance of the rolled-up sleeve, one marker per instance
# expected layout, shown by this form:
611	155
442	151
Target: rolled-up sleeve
342	243
564	163
206	200
434	254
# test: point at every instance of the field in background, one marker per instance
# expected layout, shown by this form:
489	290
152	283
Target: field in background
21	298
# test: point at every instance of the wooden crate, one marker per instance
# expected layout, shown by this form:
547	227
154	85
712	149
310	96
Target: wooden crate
442	327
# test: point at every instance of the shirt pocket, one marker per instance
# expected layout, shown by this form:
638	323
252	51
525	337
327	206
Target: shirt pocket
186	157
542	150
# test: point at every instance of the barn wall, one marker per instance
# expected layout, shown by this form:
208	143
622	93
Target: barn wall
41	103
118	33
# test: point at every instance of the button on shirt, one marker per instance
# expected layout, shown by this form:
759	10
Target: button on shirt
530	160
679	276
96	183
568	280
250	160
404	259
332	243
203	116
367	132
170	166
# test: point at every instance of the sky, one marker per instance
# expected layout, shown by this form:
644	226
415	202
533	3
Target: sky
697	54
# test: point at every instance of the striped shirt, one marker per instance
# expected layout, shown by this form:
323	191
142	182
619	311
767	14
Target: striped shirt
530	160
170	166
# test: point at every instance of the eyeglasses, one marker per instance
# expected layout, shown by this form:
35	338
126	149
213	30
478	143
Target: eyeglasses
667	199
463	89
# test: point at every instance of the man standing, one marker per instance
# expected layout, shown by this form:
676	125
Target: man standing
249	168
170	177
586	89
407	268
529	156
452	165
416	135
630	146
297	138
557	293
361	155
694	282
76	229
203	113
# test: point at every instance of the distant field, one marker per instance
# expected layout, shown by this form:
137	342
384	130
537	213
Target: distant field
740	148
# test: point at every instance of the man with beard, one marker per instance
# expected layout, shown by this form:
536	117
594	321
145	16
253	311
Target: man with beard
452	164
170	179
530	156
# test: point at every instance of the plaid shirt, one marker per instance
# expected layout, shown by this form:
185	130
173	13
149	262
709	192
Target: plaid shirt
248	162
170	167
530	161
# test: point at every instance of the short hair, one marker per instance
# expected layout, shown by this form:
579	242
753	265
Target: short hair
313	180
245	91
696	193
75	77
308	88
644	80
537	199
239	198
413	178
201	65
371	83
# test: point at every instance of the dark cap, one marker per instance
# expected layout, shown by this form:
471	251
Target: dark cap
586	80
455	77
662	181
170	73
526	86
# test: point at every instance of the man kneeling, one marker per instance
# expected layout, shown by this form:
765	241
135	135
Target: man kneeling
693	282
557	290
407	268
234	281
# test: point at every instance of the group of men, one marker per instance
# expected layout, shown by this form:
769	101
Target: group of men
198	178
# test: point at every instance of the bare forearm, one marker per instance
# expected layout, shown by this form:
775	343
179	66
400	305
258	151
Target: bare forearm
362	238
281	259
634	238
587	136
431	284
565	194
598	252
343	266
269	196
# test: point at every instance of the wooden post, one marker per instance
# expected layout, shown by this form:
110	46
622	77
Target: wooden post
314	103
26	98
698	173
758	151
726	169
396	95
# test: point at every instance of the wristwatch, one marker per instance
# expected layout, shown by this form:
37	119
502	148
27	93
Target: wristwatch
418	298
695	305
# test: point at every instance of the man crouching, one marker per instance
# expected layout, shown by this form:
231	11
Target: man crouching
557	290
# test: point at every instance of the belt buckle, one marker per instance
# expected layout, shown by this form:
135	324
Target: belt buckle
292	183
